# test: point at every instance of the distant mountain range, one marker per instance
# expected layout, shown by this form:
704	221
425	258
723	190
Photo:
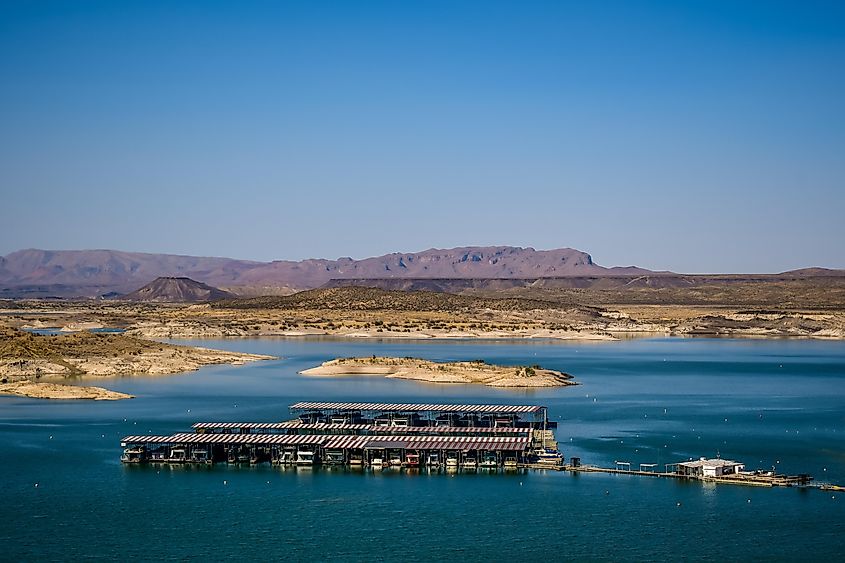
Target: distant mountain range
64	273
92	273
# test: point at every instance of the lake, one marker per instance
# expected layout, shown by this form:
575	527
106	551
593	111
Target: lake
767	403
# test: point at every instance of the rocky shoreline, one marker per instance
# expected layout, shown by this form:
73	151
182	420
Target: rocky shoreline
476	372
42	390
27	358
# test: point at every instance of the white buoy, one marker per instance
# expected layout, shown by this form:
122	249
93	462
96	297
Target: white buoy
225	482
36	485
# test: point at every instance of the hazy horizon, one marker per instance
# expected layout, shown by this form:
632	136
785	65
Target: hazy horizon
331	258
684	136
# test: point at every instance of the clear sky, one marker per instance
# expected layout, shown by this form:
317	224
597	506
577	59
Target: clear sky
700	136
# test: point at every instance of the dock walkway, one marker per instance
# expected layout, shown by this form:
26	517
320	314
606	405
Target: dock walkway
748	479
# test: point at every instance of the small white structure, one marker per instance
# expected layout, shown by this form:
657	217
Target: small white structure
710	467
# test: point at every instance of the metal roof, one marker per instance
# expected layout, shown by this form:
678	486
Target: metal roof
418	407
717	462
384	444
429	443
295	424
146	439
489	443
258	439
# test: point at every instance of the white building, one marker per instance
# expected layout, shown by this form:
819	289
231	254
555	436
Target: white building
710	467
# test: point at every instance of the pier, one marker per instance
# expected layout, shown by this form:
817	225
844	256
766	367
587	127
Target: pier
748	478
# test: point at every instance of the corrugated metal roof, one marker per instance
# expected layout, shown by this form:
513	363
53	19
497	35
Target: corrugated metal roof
257	439
145	439
352	442
418	407
384	444
295	424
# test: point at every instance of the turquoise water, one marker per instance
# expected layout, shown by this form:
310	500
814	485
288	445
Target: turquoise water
765	402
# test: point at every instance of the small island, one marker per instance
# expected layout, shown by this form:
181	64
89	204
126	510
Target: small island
42	366
478	372
42	390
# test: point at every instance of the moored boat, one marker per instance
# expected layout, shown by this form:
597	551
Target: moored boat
489	461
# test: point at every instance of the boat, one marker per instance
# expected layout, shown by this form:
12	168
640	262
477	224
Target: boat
469	463
200	456
451	459
433	460
334	457
511	463
305	457
377	463
395	460
178	455
137	454
412	460
548	456
489	461
826	487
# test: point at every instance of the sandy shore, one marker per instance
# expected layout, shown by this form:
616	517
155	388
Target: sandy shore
167	361
39	390
26	358
477	372
179	330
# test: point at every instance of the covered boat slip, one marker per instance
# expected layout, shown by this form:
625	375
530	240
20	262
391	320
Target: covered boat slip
423	414
498	443
329	448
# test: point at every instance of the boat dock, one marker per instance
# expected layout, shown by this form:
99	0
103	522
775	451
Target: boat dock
367	434
414	436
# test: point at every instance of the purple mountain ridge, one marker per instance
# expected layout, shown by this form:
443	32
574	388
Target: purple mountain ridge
94	272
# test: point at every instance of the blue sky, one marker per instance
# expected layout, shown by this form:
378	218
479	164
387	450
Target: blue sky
698	136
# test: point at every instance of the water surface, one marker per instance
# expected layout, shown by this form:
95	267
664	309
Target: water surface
768	403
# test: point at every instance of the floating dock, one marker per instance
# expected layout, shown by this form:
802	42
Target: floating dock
372	434
412	435
749	478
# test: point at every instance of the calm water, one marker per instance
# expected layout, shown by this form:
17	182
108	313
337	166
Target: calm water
767	403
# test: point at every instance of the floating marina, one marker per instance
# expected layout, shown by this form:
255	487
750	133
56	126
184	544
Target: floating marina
371	434
413	436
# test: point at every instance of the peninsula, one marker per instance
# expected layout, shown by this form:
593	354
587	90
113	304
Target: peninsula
478	372
36	366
